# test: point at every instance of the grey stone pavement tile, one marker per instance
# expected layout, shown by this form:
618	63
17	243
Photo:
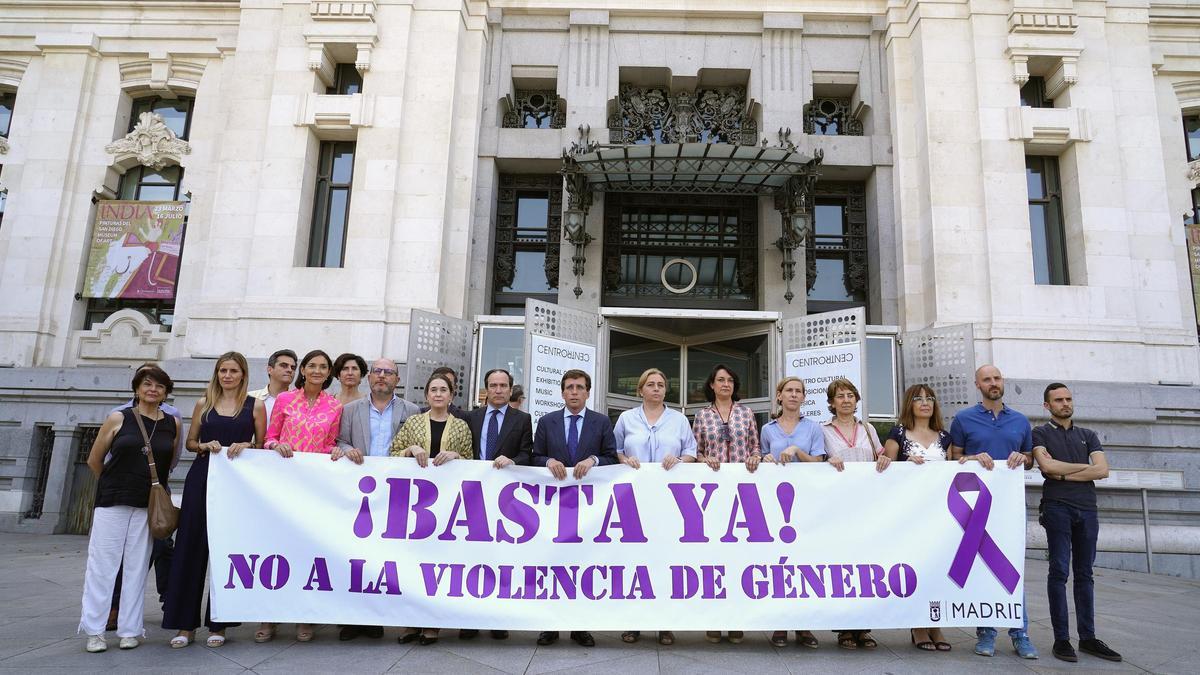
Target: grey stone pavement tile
1150	619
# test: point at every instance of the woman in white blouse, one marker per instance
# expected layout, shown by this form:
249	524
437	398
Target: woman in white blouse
652	432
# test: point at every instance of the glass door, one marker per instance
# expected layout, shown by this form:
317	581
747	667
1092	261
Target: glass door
687	360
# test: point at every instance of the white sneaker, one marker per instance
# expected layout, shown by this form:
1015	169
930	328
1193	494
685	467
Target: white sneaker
129	643
96	643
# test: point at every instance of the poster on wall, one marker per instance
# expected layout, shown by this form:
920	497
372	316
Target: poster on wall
818	367
1193	246
135	250
549	359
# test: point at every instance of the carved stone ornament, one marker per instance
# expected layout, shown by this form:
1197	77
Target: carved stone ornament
831	117
655	115
1193	174
535	109
3	145
151	143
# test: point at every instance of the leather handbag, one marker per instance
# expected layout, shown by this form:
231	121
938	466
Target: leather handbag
161	514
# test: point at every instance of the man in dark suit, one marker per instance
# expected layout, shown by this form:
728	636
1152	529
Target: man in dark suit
501	435
575	438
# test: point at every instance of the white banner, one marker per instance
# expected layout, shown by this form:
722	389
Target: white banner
818	367
465	545
549	359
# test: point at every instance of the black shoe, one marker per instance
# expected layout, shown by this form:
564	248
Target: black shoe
499	635
583	638
348	633
468	633
1063	651
408	637
371	631
1099	649
547	637
426	640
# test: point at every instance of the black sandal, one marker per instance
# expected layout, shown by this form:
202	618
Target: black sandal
805	638
924	645
866	640
846	640
779	638
941	645
631	636
666	637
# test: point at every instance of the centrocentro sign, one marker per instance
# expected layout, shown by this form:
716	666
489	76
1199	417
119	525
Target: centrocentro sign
818	367
549	359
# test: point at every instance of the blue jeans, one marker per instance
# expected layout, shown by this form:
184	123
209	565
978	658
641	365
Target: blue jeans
1071	537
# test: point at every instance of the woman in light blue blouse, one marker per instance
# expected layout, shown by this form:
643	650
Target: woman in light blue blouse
792	437
652	432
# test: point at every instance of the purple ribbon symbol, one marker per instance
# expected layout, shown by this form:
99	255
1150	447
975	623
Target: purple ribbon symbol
976	540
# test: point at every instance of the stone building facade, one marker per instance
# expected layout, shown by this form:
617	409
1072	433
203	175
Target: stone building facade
1024	167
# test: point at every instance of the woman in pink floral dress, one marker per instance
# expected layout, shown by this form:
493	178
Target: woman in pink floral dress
725	433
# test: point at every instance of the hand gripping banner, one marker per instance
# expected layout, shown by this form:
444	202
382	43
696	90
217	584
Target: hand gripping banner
464	545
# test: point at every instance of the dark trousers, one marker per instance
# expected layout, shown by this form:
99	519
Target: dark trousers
1071	537
160	560
185	592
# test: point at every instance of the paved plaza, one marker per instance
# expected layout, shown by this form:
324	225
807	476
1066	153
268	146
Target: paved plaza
1152	620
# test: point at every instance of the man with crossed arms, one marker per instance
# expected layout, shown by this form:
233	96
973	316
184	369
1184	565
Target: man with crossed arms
367	427
576	438
986	433
1071	459
502	435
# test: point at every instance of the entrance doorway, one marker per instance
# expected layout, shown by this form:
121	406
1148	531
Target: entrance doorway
686	349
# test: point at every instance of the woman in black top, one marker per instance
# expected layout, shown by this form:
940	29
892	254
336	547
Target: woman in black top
226	417
119	527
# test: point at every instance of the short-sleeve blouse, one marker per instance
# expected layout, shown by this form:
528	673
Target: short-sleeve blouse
910	448
737	445
861	448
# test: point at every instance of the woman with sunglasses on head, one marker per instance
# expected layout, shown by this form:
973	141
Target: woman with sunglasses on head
652	432
792	437
725	433
128	444
225	417
305	419
920	436
849	439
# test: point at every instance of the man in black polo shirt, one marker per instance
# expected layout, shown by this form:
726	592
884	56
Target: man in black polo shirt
1070	458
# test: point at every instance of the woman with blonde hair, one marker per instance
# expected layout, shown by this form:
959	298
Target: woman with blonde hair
792	437
432	435
652	432
225	417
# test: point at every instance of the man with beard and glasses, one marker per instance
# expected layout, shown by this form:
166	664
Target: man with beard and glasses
1071	459
987	433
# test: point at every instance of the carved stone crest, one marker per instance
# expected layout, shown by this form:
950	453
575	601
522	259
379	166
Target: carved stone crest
151	143
3	145
1193	174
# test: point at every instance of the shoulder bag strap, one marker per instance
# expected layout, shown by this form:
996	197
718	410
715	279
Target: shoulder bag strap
147	450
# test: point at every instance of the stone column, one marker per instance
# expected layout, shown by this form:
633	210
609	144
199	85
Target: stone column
41	271
58	479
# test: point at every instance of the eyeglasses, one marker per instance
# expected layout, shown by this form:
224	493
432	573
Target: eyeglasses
382	371
924	399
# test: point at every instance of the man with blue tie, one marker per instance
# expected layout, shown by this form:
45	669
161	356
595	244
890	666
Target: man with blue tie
502	435
576	438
